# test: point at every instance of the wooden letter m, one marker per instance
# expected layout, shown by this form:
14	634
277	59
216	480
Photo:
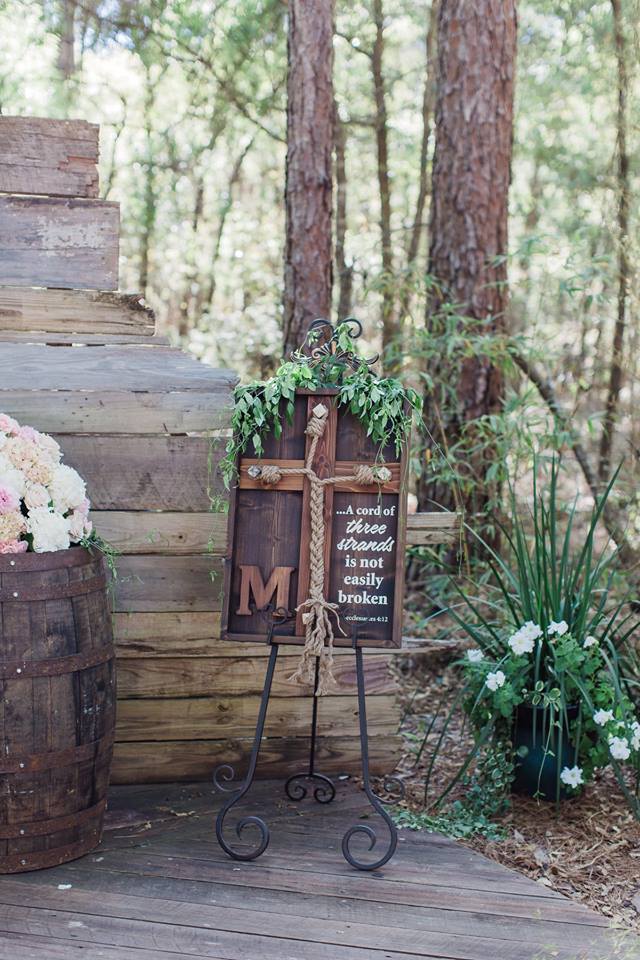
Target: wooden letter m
251	580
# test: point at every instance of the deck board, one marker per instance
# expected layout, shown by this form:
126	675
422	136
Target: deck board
159	887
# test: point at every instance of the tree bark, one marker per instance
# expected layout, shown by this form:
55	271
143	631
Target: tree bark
390	326
428	109
615	368
468	227
343	269
66	40
308	189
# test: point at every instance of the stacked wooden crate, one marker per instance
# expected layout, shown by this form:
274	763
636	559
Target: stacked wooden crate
142	423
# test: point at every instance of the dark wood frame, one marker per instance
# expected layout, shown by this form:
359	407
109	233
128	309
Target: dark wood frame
325	466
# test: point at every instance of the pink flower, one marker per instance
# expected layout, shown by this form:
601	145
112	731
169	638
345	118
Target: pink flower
28	433
8	424
9	501
13	546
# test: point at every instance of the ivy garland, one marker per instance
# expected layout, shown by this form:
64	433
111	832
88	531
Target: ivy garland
379	403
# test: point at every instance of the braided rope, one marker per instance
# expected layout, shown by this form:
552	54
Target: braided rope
319	635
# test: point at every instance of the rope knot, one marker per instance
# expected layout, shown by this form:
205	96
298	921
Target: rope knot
270	474
318	422
367	475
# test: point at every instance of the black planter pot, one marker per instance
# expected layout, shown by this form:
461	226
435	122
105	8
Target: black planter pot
537	774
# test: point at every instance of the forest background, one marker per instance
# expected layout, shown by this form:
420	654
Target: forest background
191	96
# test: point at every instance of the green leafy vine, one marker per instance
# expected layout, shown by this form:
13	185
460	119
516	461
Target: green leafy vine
383	405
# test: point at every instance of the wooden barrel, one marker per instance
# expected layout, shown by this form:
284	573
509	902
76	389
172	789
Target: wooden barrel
57	714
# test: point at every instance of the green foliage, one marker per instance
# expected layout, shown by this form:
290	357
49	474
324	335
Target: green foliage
548	633
95	542
379	403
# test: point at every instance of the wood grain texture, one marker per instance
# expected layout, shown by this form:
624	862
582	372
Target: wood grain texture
146	472
56	158
148	583
179	533
74	311
59	243
199	677
169	533
210	718
57	714
173	760
161	887
111	369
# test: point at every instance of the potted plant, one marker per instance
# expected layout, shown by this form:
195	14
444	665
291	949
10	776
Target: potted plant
56	657
545	674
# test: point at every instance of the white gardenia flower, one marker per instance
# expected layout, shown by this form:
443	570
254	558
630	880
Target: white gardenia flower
619	748
559	627
495	680
572	776
603	717
589	642
49	529
475	655
521	644
67	489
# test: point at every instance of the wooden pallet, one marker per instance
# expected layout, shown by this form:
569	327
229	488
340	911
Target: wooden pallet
146	425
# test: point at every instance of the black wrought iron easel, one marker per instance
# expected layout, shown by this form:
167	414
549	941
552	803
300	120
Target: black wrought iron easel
324	791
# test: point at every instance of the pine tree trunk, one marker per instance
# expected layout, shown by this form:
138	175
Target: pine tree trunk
468	227
615	368
307	270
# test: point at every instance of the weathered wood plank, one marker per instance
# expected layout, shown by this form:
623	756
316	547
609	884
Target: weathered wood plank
76	339
74	311
134	413
165	533
147	472
180	917
201	676
59	243
209	718
182	634
147	583
110	369
427	529
50	157
155	762
179	533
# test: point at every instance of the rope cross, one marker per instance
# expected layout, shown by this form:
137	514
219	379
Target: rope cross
319	635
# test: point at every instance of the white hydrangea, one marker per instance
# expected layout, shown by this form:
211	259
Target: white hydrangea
67	488
495	680
603	717
49	529
11	478
635	735
475	655
619	748
572	776
559	627
36	495
589	642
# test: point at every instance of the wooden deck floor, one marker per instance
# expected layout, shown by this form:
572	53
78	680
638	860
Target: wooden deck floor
160	888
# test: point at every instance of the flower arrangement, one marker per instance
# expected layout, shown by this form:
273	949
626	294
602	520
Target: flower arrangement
43	502
548	674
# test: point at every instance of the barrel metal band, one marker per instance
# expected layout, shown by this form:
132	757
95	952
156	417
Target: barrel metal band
18	593
55	667
19	862
57	759
38	828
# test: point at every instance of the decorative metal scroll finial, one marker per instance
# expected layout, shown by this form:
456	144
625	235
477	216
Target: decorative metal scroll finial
328	347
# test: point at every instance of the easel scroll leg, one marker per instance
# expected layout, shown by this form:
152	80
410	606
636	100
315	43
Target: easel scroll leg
325	791
361	828
227	773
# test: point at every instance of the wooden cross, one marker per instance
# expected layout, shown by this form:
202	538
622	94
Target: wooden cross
332	459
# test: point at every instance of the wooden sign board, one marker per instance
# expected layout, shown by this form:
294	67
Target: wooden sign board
269	531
